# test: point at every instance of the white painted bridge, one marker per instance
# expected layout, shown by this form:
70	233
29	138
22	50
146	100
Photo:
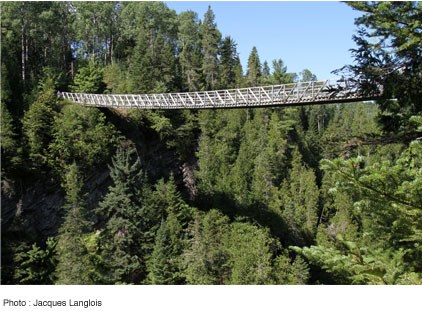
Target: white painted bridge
294	94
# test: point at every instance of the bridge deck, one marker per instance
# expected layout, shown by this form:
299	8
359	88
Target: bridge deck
294	94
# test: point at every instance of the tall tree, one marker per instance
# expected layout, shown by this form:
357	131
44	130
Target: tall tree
387	196
121	239
190	53
80	135
150	31
74	266
165	265
97	29
253	73
250	254
206	257
229	62
210	41
89	78
266	74
389	54
43	30
280	74
10	146
307	76
38	123
299	197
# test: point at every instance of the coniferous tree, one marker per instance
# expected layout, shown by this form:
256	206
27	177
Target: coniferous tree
161	267
165	264
38	123
74	266
229	62
80	135
150	31
89	78
388	54
299	197
206	257
210	42
383	251
266	74
253	73
287	272
35	265
280	74
249	250
10	149
123	236
190	54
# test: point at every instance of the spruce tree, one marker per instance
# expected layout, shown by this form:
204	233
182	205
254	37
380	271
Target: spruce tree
388	55
253	73
122	238
190	54
165	264
249	250
266	74
229	61
280	74
80	135
299	197
210	42
161	267
89	78
38	121
35	265
74	266
206	257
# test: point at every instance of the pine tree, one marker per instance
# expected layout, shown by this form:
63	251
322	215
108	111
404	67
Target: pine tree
37	125
74	266
266	74
388	54
10	146
206	257
386	204
287	272
150	29
165	264
80	135
122	238
229	61
210	42
249	250
253	73
299	197
190	54
161	267
280	74
89	79
35	265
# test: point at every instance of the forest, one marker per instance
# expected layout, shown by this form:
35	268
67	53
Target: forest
321	194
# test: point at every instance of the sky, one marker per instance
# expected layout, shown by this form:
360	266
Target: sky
305	35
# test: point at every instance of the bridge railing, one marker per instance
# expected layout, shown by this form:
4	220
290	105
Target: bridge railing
283	94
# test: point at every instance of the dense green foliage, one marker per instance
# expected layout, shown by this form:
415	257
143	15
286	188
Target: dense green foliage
293	195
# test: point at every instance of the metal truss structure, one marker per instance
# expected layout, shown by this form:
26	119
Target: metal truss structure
294	94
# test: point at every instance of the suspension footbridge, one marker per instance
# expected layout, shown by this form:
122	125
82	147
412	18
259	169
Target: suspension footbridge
293	94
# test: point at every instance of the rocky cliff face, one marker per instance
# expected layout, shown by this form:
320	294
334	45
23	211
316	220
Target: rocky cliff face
35	207
37	210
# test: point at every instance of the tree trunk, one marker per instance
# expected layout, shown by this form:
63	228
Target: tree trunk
23	63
